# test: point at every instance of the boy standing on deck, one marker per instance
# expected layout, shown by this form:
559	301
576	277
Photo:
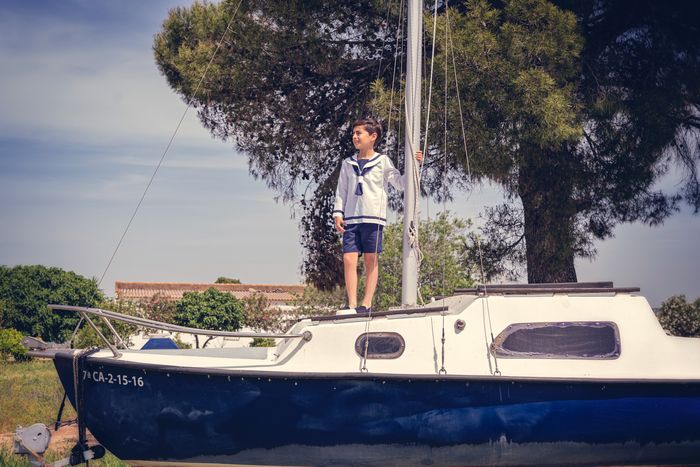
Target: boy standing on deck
360	208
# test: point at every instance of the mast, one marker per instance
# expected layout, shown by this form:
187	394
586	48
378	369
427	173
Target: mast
409	282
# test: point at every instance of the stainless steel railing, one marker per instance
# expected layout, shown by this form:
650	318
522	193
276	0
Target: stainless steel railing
106	315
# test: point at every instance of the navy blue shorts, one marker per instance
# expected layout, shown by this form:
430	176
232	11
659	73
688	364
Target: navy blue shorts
363	238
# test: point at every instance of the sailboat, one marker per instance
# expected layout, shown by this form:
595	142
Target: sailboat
578	373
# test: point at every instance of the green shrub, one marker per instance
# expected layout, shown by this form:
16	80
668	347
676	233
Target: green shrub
680	317
87	337
210	309
262	342
25	292
11	345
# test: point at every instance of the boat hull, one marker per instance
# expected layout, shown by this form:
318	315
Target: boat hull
152	415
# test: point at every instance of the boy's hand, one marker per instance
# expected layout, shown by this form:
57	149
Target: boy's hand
339	224
419	156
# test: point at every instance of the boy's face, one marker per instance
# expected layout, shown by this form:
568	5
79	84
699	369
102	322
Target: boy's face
362	139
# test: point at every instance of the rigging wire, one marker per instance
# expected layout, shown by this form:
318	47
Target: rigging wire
485	304
172	138
399	43
459	99
418	168
386	22
486	309
363	366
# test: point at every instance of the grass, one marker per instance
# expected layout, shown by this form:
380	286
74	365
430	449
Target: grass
7	459
31	393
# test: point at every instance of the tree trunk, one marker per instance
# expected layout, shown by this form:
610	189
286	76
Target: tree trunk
545	191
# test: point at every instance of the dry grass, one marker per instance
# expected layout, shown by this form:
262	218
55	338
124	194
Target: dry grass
30	392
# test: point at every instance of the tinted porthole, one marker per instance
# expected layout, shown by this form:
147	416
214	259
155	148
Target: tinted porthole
594	340
380	345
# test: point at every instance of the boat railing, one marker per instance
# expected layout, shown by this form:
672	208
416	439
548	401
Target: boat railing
106	315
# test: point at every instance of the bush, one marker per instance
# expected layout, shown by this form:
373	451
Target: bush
25	292
158	308
680	317
87	337
211	309
11	345
445	266
262	342
317	302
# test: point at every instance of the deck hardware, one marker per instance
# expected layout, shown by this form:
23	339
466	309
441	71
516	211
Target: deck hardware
460	324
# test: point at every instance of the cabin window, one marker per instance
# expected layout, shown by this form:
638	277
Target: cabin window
380	345
583	340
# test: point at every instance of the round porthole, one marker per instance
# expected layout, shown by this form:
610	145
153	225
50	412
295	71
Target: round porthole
380	345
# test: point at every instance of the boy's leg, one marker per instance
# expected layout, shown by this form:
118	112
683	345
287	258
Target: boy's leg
372	272
350	266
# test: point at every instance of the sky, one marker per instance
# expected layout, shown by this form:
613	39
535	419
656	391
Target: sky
84	118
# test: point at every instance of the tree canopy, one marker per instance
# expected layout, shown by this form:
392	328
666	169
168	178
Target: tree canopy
25	292
576	110
210	309
227	280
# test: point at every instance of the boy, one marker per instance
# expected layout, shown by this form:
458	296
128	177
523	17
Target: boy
360	208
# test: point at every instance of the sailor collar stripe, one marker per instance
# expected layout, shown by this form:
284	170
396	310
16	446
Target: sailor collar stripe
370	163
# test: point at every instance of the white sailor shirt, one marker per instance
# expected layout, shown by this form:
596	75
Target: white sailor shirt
362	195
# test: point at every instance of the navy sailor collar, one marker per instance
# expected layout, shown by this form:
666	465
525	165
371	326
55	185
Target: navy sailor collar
369	164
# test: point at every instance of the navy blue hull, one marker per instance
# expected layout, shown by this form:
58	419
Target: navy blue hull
150	413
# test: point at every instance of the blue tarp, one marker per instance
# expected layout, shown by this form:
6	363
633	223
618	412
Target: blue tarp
159	343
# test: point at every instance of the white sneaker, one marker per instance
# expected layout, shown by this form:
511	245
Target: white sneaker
346	311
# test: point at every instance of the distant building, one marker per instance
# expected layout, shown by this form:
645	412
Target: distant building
277	295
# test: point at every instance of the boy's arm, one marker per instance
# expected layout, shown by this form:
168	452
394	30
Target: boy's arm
340	195
394	177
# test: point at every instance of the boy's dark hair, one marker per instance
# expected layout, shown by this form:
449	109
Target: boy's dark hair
371	125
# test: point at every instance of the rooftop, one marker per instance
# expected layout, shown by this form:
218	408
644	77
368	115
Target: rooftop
277	294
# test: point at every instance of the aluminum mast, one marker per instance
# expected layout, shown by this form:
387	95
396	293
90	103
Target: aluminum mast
409	282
